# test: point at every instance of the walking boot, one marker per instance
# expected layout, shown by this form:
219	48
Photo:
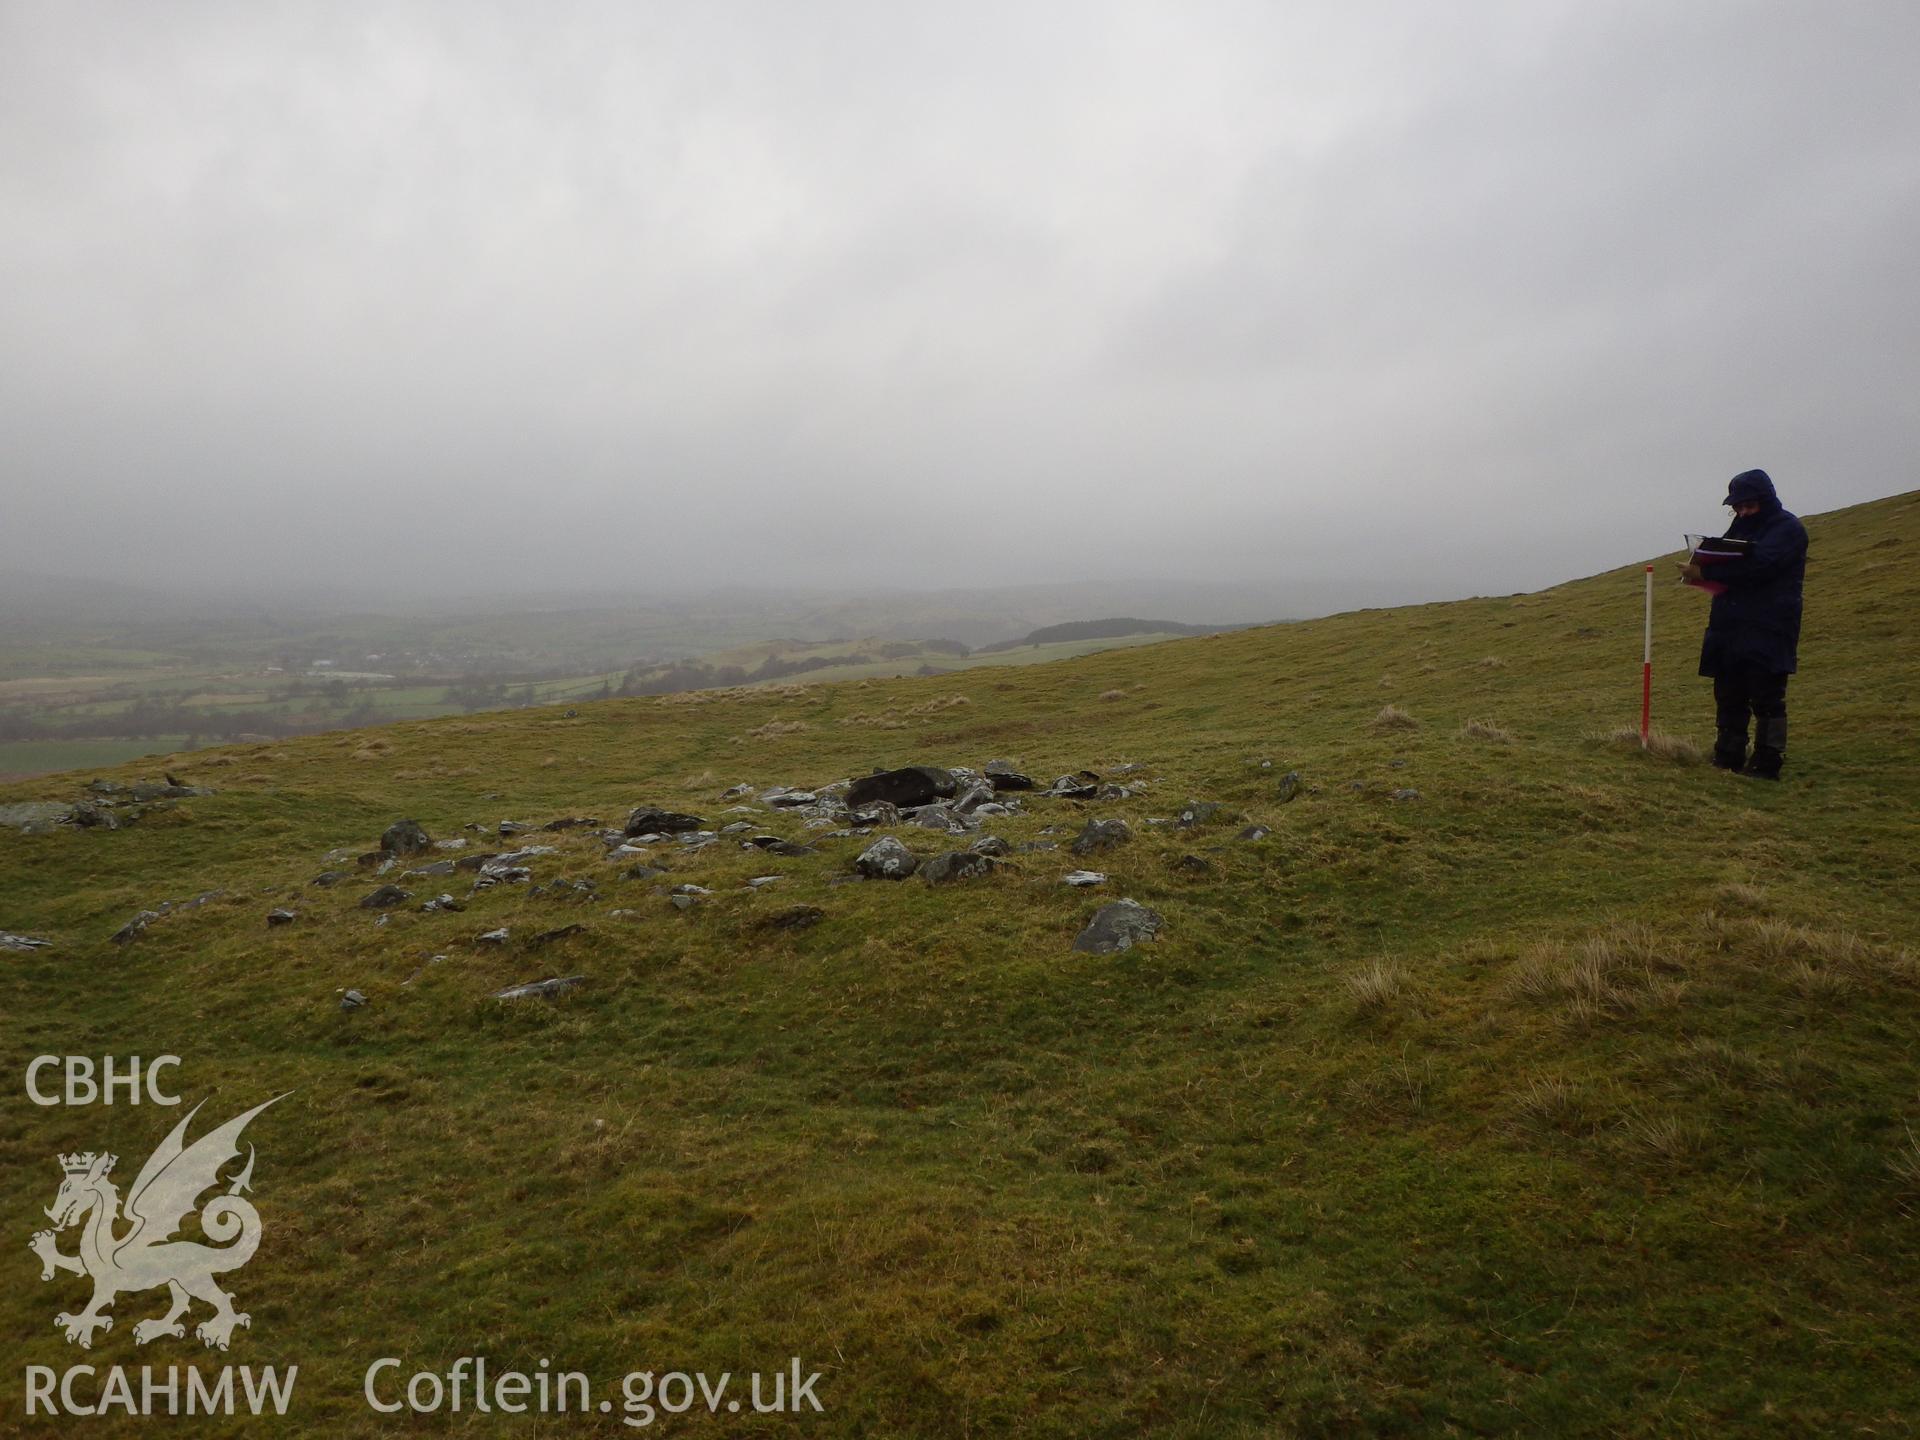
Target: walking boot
1769	749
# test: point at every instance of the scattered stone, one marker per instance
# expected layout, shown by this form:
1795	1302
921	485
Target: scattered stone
1116	927
548	937
1192	865
1254	832
648	821
991	845
327	879
1111	791
774	845
571	822
98	817
514	857
280	917
1002	775
476	861
790	799
22	943
428	872
1397	764
683	902
565	889
439	903
794	917
1031	846
881	813
695	839
146	792
690	891
135	927
1083	877
641	872
759	880
938	817
352	1000
978	794
385	898
912	785
373	860
1100	835
570	715
1289	786
955	865
34	817
734	792
1073	787
509	828
502	875
1197	813
406	837
1408	794
540	989
738	827
492	937
886	859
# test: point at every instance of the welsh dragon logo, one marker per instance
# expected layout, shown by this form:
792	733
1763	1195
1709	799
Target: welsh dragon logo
145	1256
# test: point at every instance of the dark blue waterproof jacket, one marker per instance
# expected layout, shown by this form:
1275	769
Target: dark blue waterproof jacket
1755	624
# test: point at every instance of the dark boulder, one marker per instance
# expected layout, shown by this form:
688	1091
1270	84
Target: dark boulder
911	785
649	821
406	837
385	898
280	917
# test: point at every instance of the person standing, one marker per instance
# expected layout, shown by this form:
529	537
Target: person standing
1753	629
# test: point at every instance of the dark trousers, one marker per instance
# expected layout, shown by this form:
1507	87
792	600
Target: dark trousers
1763	695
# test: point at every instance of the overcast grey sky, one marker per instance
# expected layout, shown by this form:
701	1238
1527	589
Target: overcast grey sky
1478	296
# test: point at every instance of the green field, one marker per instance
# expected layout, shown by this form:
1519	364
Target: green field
1576	1094
28	757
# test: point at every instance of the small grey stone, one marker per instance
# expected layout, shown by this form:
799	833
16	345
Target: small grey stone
548	937
1197	813
955	865
136	927
641	872
280	917
1098	835
1081	878
1254	832
1116	927
352	1000
425	872
1406	794
327	879
22	942
492	937
990	845
1289	786
385	898
540	989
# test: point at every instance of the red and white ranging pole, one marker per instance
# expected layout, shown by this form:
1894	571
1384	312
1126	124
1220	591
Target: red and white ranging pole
1646	668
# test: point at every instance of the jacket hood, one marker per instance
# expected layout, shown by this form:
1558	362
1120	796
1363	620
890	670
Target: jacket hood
1751	485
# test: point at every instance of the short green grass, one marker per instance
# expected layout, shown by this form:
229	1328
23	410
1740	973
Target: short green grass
1574	1097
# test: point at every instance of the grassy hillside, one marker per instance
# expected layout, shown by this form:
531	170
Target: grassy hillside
1577	1095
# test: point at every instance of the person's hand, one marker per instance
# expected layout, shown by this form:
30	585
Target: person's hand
1691	571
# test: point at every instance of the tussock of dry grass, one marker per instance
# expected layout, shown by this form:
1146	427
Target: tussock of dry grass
886	720
1614	973
1392	717
773	729
944	702
1550	1103
1745	897
1904	1163
1379	986
1660	745
1487	730
1113	694
1490	662
1666	1141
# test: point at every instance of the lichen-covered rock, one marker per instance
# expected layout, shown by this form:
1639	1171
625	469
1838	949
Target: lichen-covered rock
406	837
1098	835
1116	927
886	859
955	865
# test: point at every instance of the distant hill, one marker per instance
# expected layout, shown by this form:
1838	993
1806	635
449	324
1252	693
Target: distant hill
1109	629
